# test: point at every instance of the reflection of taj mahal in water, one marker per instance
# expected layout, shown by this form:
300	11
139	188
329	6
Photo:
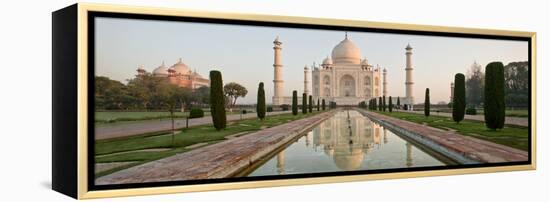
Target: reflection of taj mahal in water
345	77
347	142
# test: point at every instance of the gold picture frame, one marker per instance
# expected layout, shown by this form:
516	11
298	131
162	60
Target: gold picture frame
79	186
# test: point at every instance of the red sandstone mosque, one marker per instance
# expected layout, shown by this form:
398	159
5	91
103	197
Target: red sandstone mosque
178	74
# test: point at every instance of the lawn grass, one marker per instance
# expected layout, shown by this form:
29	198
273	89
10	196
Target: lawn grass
513	136
108	150
109	117
522	113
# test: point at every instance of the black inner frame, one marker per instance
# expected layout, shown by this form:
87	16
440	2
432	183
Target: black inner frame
91	89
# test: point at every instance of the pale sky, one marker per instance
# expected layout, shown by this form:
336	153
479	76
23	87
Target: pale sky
244	54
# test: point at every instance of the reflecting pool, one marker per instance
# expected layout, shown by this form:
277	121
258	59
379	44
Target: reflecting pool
345	142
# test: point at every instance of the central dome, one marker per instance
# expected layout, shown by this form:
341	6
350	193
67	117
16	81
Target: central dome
346	52
181	68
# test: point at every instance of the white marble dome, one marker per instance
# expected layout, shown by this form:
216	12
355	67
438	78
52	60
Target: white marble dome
346	52
181	68
327	61
365	62
161	70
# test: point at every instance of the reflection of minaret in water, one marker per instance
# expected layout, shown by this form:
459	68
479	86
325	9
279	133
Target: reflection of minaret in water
281	163
308	138
385	137
409	154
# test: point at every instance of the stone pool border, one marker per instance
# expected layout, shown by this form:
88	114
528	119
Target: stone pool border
219	160
462	155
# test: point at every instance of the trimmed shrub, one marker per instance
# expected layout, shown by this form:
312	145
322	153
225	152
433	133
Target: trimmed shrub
494	103
390	108
384	103
323	105
471	111
318	107
260	105
217	100
427	103
398	102
285	107
332	105
244	111
380	104
310	104
196	113
269	108
304	103
294	102
459	98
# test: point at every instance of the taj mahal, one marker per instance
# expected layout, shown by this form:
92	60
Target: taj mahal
344	77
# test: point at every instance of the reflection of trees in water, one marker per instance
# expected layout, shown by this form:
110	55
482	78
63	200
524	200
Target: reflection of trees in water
409	154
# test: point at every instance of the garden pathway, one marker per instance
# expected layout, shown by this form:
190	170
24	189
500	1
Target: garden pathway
219	160
141	127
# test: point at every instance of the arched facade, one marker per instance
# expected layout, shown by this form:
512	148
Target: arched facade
344	77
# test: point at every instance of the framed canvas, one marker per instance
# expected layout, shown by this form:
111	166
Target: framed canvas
157	100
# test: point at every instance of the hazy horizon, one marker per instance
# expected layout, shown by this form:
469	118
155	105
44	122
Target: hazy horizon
244	54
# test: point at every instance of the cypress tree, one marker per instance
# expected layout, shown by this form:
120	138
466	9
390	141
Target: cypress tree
294	102
374	104
304	103
310	104
217	100
384	103
260	105
370	105
323	105
318	107
459	98
390	108
494	104
380	104
427	103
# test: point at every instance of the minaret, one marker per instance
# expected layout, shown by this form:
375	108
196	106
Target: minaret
452	91
278	73
306	80
384	83
409	78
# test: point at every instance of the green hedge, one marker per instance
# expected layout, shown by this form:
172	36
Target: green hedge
196	113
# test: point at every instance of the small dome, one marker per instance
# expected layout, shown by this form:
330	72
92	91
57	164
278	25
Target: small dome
181	68
346	52
365	62
161	70
327	61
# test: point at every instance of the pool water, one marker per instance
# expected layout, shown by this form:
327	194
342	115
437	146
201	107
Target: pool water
345	142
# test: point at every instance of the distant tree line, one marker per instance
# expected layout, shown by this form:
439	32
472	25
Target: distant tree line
145	92
516	85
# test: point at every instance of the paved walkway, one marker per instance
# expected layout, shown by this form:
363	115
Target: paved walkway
141	127
517	121
219	160
472	148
